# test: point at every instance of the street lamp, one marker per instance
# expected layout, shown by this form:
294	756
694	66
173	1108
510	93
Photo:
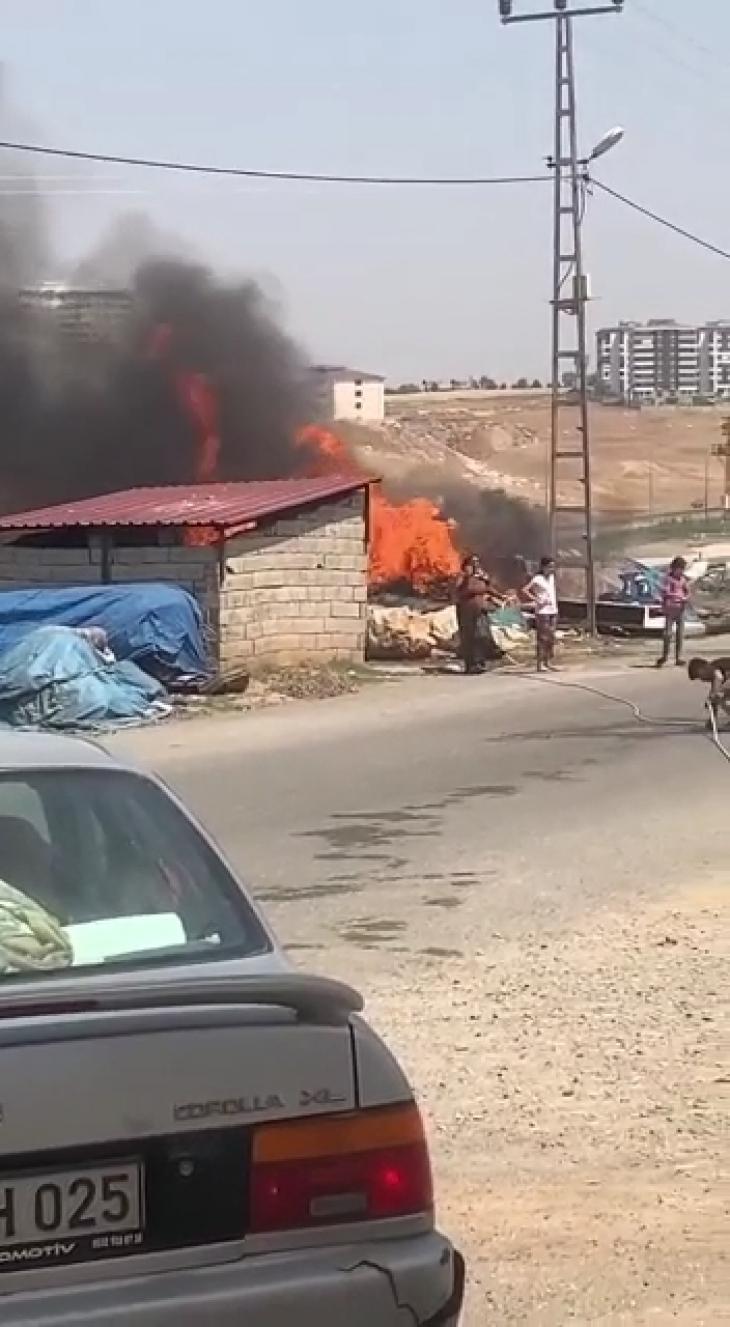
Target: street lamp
607	143
604	145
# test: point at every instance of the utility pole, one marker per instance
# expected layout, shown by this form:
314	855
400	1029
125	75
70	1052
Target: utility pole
722	451
570	456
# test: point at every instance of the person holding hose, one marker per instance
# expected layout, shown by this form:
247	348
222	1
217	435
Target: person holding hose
476	597
716	674
471	591
675	598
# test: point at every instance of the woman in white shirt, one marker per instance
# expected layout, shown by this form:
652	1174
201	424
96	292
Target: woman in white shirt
542	594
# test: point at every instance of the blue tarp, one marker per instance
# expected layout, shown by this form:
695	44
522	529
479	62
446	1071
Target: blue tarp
652	578
157	626
508	617
55	678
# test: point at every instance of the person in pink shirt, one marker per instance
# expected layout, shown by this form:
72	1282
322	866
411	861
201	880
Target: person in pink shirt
675	597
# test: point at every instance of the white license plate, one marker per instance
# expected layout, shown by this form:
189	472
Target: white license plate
84	1207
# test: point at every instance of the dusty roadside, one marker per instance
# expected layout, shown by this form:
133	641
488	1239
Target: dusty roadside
578	1092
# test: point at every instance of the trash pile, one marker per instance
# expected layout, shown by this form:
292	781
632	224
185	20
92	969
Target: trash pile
410	633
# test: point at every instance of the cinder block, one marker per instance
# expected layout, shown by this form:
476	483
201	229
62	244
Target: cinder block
268	579
239	580
294	641
66	557
235	651
233	598
344	641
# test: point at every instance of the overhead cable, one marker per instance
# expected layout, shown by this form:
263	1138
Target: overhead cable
242	172
660	220
307	177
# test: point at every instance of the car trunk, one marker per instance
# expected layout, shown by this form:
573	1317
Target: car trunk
128	1107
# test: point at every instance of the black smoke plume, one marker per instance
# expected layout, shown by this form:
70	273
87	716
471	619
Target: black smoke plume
90	414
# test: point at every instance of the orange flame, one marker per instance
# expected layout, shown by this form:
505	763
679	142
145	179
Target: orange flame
409	541
200	403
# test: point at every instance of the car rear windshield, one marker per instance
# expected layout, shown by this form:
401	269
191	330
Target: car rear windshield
102	867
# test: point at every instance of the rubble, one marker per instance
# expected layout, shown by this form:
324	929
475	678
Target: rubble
407	633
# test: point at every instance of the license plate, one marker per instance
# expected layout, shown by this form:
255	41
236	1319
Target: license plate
69	1215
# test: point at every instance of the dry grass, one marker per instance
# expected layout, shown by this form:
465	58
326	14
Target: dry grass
648	460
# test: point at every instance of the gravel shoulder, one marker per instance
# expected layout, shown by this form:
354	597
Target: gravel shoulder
577	1088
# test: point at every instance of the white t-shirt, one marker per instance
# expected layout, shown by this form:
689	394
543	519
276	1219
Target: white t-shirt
543	588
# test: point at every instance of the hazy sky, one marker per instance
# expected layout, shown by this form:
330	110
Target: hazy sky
410	282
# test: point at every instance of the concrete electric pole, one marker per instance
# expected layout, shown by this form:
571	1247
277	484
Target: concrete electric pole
722	451
570	461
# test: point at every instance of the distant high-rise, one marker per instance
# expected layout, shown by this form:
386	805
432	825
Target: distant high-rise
664	360
85	315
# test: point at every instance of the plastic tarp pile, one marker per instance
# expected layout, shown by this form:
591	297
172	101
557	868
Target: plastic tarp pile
653	579
56	678
157	626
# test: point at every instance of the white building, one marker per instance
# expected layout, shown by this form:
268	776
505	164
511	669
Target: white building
78	313
342	393
662	359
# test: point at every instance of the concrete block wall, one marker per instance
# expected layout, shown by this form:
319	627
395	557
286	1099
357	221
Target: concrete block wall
297	589
196	569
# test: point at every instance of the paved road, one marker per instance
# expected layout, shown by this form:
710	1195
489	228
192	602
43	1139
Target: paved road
397	812
530	889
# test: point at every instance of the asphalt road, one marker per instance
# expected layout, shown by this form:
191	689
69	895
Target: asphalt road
398	813
529	887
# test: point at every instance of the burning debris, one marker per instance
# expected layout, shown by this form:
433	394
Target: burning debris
410	542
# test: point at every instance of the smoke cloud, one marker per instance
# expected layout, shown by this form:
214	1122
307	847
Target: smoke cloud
84	416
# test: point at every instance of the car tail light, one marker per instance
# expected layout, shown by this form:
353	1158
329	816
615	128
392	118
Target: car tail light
362	1166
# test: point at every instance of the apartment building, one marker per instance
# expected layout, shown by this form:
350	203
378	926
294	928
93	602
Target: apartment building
663	359
81	314
342	393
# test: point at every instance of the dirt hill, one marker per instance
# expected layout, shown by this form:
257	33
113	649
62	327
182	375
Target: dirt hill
644	461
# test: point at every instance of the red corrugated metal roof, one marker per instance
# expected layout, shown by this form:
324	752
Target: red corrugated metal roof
224	505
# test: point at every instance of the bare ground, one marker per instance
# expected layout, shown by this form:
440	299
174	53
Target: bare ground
643	460
578	1093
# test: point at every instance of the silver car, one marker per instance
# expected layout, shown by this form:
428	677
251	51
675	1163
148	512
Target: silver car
192	1133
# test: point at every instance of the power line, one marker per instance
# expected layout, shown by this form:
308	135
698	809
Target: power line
302	177
646	24
305	177
660	220
686	38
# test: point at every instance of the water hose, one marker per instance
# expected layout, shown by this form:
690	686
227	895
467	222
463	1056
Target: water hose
636	711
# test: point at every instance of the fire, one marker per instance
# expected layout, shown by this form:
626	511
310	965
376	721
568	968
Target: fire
199	401
409	541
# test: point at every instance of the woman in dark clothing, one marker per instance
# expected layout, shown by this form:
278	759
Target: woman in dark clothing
474	598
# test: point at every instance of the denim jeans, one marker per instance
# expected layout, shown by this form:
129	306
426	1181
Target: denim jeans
673	626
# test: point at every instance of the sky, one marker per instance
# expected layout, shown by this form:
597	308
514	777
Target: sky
411	282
